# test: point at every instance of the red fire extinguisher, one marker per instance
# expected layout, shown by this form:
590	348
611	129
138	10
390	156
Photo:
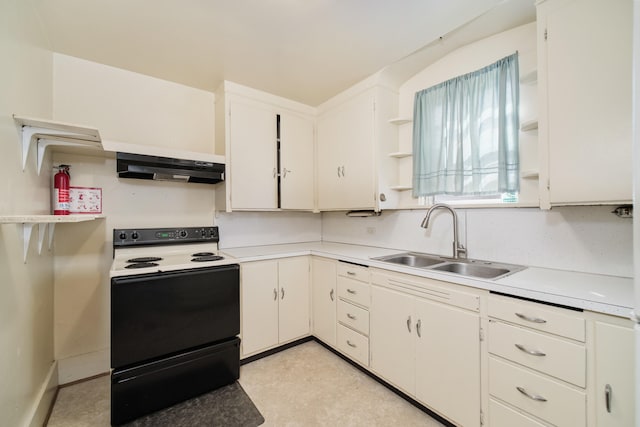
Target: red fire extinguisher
61	202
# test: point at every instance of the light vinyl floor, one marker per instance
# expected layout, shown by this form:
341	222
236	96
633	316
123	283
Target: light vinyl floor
306	385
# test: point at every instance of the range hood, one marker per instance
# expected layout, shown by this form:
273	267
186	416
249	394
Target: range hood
142	166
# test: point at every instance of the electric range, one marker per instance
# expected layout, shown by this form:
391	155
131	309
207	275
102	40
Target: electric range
175	317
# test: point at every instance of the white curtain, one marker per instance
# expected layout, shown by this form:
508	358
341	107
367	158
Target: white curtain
465	133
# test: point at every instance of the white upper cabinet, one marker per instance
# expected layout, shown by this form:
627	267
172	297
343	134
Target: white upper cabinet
253	156
584	55
296	162
269	143
354	138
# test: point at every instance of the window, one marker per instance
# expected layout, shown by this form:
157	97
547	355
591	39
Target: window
465	136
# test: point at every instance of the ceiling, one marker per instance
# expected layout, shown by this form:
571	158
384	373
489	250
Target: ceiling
305	50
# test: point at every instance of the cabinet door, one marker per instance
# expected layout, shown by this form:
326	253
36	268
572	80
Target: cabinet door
448	361
324	299
331	195
253	156
259	304
358	173
294	298
588	97
392	337
614	357
345	155
296	162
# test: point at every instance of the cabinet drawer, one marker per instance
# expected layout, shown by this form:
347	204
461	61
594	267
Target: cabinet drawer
353	344
355	317
553	356
354	291
502	416
354	272
564	406
545	318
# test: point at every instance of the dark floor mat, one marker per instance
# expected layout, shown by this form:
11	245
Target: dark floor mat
228	406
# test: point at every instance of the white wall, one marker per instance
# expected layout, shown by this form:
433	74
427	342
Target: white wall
589	238
131	108
26	290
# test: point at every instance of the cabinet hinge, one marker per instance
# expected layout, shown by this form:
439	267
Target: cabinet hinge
546	34
481	334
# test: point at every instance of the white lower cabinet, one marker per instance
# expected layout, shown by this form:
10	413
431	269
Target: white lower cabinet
354	298
538	360
538	365
426	347
275	303
614	388
503	416
354	344
324	298
541	396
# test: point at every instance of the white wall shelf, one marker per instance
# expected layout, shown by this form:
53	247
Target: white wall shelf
529	174
529	125
400	154
529	78
401	187
43	222
48	133
400	120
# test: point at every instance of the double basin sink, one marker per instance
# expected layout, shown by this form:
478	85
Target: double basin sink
462	267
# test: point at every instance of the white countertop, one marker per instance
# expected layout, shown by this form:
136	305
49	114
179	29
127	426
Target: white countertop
604	294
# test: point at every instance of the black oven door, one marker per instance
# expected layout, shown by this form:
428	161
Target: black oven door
159	314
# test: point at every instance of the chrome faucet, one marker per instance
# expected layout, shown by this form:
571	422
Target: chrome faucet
459	250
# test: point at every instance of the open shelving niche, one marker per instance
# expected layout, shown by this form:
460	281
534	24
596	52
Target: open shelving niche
398	121
44	134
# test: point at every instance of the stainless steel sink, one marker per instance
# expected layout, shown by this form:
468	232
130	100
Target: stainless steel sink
412	259
473	270
463	267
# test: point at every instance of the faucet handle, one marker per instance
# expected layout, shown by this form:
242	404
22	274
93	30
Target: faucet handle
460	251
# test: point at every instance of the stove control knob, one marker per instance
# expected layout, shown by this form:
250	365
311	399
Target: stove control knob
183	233
123	235
134	235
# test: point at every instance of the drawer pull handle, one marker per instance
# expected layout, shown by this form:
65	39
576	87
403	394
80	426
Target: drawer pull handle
351	273
275	294
530	319
331	295
531	352
418	328
535	397
608	392
409	324
351	291
351	316
350	344
281	293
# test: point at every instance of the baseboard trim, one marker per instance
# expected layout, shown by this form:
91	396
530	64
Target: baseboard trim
43	405
276	350
83	366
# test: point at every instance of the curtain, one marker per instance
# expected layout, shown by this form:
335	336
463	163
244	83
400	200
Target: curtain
465	133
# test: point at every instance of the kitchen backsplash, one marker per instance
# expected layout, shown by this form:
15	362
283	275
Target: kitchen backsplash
238	229
582	238
589	239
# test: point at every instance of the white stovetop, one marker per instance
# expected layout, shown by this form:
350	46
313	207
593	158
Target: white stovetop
599	293
173	258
